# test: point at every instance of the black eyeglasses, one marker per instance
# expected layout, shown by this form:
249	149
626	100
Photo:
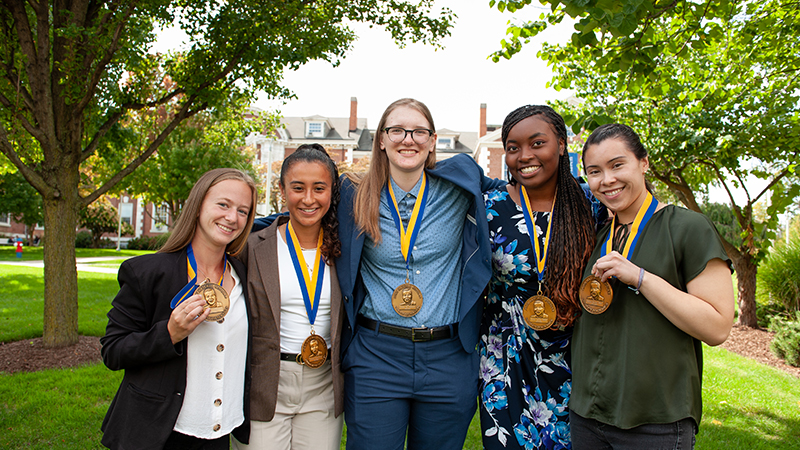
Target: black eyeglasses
398	134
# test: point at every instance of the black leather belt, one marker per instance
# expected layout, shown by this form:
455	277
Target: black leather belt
290	357
423	334
294	357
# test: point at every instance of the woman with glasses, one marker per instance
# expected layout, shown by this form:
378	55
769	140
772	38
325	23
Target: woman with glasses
415	260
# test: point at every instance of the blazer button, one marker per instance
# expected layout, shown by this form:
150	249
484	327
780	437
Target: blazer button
220	347
217	427
217	402
219	375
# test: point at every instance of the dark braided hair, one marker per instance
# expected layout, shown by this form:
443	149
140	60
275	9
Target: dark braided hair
573	237
331	247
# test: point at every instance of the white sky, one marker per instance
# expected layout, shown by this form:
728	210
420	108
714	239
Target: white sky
453	82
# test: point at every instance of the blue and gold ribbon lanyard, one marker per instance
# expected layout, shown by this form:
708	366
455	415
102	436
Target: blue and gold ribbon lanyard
408	236
538	311
540	253
307	282
191	287
407	298
643	216
645	213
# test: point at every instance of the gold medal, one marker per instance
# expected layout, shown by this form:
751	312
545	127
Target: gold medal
407	300
539	312
314	351
216	300
595	295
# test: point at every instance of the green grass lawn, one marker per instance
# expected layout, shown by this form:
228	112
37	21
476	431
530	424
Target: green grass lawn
8	253
22	302
747	405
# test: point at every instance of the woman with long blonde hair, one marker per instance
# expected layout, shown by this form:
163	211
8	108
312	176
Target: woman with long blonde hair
184	346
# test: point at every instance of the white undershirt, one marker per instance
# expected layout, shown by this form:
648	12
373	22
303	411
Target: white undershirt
216	358
295	327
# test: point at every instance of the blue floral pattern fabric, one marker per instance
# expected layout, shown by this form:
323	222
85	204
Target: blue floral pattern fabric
525	374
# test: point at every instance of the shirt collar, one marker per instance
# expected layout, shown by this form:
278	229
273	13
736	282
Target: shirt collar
399	193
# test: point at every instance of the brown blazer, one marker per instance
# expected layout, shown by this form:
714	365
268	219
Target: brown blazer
263	287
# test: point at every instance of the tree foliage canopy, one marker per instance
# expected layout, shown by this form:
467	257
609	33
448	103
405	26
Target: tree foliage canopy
711	88
72	72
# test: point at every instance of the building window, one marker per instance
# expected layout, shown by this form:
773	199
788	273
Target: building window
315	129
160	218
126	212
444	143
5	219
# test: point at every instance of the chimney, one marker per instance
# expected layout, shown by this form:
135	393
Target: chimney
482	131
353	114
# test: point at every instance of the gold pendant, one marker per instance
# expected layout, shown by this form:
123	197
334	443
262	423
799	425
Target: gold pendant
539	312
407	300
314	351
216	298
595	295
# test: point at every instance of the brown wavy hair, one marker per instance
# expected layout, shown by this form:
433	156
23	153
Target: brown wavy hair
366	206
185	227
331	246
574	238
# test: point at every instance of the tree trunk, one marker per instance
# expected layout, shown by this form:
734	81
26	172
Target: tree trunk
60	273
746	272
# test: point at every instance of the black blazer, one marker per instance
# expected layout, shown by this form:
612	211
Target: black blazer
145	409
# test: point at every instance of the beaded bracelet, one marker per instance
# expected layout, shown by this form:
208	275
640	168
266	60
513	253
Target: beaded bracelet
639	285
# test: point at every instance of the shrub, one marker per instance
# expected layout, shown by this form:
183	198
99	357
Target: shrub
786	343
148	242
83	239
779	276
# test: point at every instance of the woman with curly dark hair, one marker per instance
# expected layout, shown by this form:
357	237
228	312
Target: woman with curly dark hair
542	234
296	395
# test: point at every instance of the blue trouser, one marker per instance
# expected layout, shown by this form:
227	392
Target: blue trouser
395	388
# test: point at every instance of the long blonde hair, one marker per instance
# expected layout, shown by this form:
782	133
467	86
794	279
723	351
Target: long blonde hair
184	230
366	206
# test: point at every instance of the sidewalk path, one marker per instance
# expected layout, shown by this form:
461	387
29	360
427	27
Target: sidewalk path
82	264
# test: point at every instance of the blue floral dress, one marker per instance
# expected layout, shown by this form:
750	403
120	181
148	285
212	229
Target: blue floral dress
525	374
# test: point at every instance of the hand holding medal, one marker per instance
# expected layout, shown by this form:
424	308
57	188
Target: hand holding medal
595	292
186	317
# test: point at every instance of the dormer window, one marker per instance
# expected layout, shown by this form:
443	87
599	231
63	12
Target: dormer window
444	143
315	129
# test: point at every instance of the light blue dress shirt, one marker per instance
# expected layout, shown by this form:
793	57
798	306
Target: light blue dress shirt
434	260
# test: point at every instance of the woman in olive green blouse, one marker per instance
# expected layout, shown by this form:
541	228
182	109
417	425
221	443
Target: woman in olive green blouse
637	355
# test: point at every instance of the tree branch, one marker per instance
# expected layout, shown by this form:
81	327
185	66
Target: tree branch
34	132
184	113
114	118
31	175
101	65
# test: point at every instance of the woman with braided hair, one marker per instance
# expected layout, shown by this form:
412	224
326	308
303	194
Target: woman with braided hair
542	233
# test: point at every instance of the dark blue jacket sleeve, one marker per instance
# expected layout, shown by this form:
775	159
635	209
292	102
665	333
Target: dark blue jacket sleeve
263	222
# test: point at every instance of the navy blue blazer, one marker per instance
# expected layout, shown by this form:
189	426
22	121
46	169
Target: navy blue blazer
476	265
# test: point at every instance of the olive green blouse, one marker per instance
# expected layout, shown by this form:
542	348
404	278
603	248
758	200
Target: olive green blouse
632	366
